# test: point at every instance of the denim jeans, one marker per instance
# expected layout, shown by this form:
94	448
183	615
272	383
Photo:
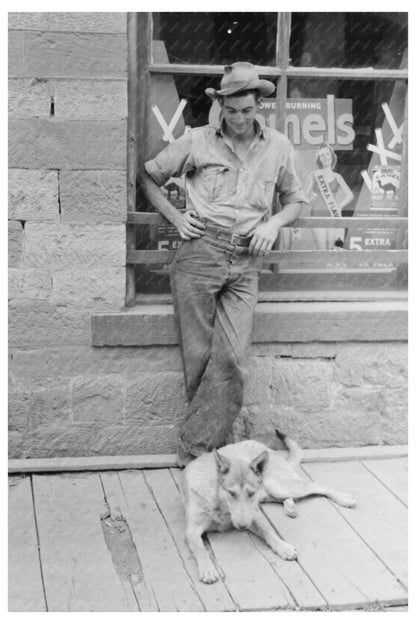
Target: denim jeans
214	287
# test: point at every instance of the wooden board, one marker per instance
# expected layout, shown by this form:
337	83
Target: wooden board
215	597
25	579
379	518
293	576
77	566
393	473
136	462
163	569
345	571
250	579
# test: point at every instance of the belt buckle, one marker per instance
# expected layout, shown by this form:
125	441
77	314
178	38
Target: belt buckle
234	237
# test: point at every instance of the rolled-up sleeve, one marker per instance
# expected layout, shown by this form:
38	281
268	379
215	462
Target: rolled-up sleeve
288	184
173	161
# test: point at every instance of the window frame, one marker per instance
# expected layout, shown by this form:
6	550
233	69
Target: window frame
140	70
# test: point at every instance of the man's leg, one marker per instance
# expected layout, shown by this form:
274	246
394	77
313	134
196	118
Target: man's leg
219	396
197	275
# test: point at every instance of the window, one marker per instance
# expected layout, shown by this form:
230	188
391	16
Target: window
341	79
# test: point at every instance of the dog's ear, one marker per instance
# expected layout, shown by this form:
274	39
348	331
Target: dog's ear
223	463
260	462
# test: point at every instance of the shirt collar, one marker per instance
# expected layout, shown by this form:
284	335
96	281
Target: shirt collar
257	126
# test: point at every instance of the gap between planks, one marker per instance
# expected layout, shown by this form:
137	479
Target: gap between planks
138	462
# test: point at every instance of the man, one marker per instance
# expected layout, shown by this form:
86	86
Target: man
231	175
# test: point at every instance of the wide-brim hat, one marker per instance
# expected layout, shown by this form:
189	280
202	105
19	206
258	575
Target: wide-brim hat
241	76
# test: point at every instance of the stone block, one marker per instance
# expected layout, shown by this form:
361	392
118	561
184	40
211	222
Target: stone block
98	400
90	99
95	196
46	363
38	406
57	247
16	442
315	350
16	55
89	288
25	284
15	247
18	410
94	55
157	398
29	97
77	21
302	384
394	415
33	195
67	144
274	349
89	439
259	382
38	324
323	429
380	364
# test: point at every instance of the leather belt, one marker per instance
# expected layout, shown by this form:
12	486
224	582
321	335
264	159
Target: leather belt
227	235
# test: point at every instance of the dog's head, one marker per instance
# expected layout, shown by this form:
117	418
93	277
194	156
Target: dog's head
240	486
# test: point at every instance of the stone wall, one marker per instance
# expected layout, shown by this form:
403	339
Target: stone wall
78	400
67	199
67	213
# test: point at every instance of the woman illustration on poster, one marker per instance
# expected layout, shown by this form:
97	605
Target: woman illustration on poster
322	188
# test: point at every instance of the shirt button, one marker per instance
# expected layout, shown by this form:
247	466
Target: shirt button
241	169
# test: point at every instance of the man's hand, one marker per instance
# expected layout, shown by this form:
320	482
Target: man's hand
189	226
263	238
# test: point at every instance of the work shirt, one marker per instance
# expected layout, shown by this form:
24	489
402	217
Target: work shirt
226	191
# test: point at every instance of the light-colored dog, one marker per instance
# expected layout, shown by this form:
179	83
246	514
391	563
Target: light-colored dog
223	490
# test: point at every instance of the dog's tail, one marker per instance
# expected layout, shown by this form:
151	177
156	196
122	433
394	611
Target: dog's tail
295	452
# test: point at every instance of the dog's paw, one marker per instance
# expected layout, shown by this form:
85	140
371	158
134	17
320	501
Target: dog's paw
346	500
208	574
289	507
286	551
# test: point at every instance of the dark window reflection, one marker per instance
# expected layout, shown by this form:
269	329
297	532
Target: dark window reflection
349	40
215	38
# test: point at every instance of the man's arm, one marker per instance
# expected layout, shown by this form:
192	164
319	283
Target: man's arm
265	234
187	225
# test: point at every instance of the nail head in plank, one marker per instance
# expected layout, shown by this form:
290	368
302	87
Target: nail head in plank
25	579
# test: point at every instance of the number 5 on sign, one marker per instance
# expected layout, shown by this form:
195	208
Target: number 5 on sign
355	242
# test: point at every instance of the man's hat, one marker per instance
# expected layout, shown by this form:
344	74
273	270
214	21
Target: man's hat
239	77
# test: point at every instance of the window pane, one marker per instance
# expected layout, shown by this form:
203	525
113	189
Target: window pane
361	121
214	38
349	40
351	116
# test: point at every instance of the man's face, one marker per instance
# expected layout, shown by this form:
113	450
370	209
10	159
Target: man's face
239	113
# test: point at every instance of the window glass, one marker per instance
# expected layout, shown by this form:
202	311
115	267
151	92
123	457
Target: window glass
214	38
322	39
362	123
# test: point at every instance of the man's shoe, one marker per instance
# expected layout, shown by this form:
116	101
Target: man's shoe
183	458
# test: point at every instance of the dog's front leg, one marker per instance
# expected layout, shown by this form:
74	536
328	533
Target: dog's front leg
263	529
206	571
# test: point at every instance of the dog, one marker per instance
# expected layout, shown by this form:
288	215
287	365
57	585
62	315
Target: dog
223	490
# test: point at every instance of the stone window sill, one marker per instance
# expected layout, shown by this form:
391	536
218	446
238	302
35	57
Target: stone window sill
284	322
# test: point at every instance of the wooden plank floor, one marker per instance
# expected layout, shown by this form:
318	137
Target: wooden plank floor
114	541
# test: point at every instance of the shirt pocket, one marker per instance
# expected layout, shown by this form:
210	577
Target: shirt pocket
217	182
263	191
